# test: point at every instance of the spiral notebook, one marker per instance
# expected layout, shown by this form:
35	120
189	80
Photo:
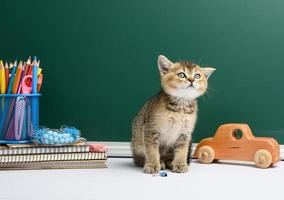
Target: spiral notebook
33	149
51	157
7	159
89	164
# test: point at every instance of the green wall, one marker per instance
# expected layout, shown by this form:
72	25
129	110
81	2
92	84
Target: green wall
99	59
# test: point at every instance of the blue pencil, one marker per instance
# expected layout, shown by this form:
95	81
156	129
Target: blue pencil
35	69
34	91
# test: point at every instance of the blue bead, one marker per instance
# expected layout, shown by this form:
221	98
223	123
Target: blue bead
56	139
61	141
163	174
51	142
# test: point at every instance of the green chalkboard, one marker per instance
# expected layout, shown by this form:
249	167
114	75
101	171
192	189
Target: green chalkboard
99	59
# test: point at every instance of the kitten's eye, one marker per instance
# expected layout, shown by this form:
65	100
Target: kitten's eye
181	75
197	76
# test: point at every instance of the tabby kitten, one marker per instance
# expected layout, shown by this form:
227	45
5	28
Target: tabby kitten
161	132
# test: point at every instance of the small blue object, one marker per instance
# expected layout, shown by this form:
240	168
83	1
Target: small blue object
163	174
61	141
64	135
56	140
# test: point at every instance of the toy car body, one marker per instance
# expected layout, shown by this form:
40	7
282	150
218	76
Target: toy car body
227	145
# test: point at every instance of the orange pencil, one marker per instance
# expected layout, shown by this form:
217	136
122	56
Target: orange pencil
17	78
7	74
39	82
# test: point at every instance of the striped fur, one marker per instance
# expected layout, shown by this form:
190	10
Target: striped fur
161	131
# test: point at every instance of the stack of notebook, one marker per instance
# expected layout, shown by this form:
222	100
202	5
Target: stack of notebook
51	157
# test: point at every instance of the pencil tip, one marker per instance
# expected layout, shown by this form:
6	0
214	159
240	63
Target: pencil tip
35	58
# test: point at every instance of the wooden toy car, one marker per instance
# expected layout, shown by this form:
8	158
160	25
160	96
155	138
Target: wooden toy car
227	144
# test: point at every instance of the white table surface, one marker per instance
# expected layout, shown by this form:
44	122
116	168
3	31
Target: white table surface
122	180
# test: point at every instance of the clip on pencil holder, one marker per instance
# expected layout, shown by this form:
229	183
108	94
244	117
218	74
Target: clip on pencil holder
19	116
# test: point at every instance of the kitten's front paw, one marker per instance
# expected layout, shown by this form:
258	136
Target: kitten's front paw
152	168
179	168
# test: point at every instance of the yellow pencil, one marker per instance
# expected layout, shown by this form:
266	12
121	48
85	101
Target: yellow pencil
2	78
7	75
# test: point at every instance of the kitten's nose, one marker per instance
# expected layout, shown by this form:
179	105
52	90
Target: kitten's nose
191	80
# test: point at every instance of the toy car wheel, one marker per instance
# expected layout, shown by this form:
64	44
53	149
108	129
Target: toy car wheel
262	158
205	154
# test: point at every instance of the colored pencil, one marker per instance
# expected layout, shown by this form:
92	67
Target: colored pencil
29	60
34	91
2	86
6	75
26	66
39	83
11	81
34	73
17	78
2	78
21	78
39	69
30	69
8	104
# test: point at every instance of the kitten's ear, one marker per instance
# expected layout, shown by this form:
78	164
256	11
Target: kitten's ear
164	64
208	71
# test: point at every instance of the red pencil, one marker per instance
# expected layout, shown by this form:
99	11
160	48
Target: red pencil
25	69
29	82
29	60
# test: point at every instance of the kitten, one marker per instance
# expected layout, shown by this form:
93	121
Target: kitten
161	132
